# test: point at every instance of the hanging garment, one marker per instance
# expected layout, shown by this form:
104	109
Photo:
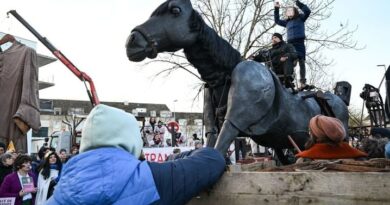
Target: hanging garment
18	93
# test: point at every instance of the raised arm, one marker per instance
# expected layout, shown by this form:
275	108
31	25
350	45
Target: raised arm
306	11
277	17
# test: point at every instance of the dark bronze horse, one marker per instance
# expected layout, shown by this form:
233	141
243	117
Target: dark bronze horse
242	97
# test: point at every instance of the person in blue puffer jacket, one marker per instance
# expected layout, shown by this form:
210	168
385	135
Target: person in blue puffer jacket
387	150
108	169
295	25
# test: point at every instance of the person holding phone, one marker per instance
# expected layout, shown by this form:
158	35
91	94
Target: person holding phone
295	25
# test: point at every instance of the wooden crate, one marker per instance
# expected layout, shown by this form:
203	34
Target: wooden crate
293	188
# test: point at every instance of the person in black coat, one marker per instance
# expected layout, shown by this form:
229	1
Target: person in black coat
3	148
281	58
6	165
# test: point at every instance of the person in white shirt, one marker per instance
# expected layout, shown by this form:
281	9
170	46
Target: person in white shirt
49	172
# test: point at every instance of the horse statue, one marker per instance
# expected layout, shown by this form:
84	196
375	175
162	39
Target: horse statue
242	98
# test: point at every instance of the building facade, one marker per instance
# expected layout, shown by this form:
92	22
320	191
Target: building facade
67	115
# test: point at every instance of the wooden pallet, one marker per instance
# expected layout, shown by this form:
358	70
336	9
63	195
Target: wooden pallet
341	182
297	188
373	165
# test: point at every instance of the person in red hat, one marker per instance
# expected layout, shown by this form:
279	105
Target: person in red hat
327	141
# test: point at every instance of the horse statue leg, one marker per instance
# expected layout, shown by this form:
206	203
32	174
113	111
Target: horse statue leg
225	138
250	99
209	118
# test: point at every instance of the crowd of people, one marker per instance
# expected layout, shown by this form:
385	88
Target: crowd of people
155	134
109	167
123	175
31	179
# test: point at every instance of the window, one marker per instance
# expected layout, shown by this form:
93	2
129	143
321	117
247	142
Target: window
78	111
57	111
46	105
43	132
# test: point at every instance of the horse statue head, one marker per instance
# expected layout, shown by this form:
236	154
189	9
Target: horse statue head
168	29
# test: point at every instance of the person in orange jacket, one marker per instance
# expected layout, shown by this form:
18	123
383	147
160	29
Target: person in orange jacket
327	141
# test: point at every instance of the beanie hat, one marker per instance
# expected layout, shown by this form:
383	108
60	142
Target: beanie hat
278	35
107	126
323	126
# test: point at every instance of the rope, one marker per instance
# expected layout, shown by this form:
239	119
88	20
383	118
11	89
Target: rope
220	99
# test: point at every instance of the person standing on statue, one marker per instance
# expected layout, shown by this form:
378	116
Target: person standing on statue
295	25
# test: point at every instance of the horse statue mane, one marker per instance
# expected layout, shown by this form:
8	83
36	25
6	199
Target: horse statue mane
211	55
211	51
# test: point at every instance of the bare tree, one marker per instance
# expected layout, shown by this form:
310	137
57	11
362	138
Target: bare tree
248	25
356	119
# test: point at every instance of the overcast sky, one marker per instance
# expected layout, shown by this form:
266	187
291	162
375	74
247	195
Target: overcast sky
92	34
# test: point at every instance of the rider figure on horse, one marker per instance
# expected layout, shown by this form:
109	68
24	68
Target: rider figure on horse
282	58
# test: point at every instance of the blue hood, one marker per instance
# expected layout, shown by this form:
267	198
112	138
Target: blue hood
105	176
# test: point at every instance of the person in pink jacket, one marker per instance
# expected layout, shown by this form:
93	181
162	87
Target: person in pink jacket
20	184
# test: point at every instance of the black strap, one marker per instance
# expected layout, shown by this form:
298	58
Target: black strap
319	97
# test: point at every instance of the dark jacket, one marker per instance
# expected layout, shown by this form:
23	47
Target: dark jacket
11	187
178	181
35	165
4	171
281	49
296	26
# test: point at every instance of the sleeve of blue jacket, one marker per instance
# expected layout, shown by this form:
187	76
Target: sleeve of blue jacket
277	18
387	150
180	180
306	11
